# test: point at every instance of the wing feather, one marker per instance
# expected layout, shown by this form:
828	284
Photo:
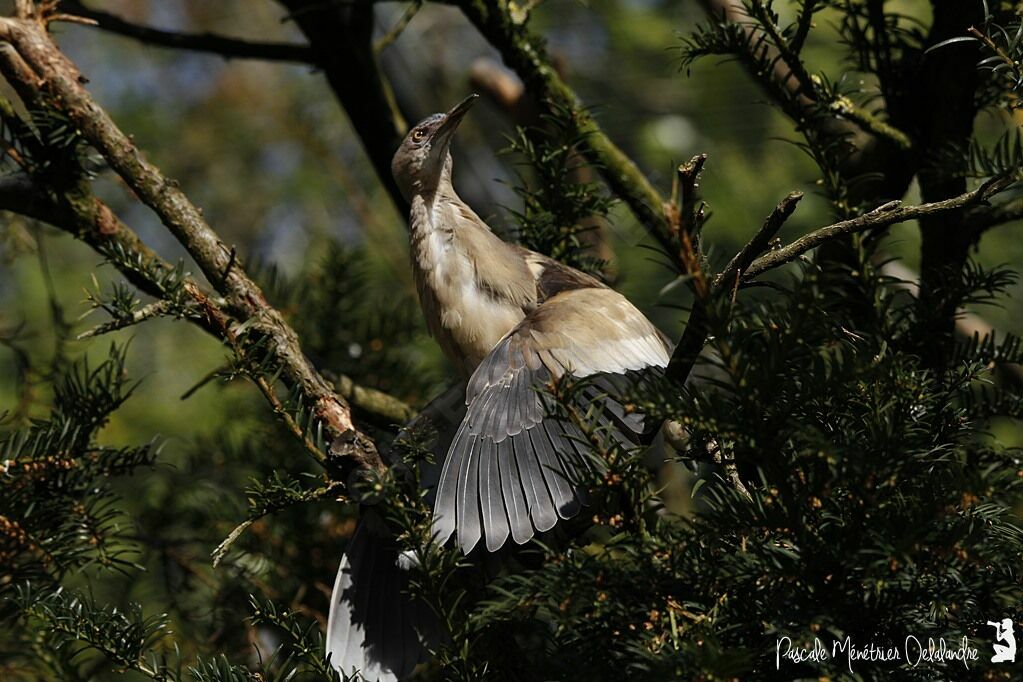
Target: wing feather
468	512
495	515
541	507
511	486
507	455
554	472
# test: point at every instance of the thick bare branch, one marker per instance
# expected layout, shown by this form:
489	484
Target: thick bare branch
91	221
223	46
61	85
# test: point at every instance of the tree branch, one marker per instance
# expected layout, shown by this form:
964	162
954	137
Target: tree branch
104	232
60	84
388	38
741	262
882	216
228	48
157	308
525	54
688	350
871	123
745	265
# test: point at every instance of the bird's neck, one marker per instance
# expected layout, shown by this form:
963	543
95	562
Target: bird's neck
472	286
437	218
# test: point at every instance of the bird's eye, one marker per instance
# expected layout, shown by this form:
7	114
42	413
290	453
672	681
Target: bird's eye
418	134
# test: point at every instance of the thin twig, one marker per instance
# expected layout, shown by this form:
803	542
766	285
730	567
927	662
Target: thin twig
787	81
693	339
870	123
786	54
803	25
154	309
733	272
220	552
228	48
692	214
985	218
399	27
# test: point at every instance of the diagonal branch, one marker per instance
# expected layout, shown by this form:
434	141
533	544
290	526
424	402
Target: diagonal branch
525	54
59	84
882	216
745	266
226	47
741	262
91	221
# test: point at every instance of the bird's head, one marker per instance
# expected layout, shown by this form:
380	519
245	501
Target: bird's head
423	157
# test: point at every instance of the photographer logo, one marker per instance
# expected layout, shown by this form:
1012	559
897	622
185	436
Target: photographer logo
1006	651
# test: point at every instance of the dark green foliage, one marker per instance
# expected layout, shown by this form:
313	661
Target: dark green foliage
352	324
872	506
58	512
810	99
60	516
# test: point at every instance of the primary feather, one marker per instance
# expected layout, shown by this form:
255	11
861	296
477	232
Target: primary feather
582	332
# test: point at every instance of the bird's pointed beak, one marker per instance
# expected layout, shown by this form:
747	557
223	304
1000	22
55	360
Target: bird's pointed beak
455	115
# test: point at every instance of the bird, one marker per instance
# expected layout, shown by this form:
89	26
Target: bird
510	320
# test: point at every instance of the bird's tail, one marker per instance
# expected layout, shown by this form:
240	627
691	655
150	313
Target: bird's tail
375	632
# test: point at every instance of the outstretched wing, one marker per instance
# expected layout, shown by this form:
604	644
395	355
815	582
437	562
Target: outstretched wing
509	468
